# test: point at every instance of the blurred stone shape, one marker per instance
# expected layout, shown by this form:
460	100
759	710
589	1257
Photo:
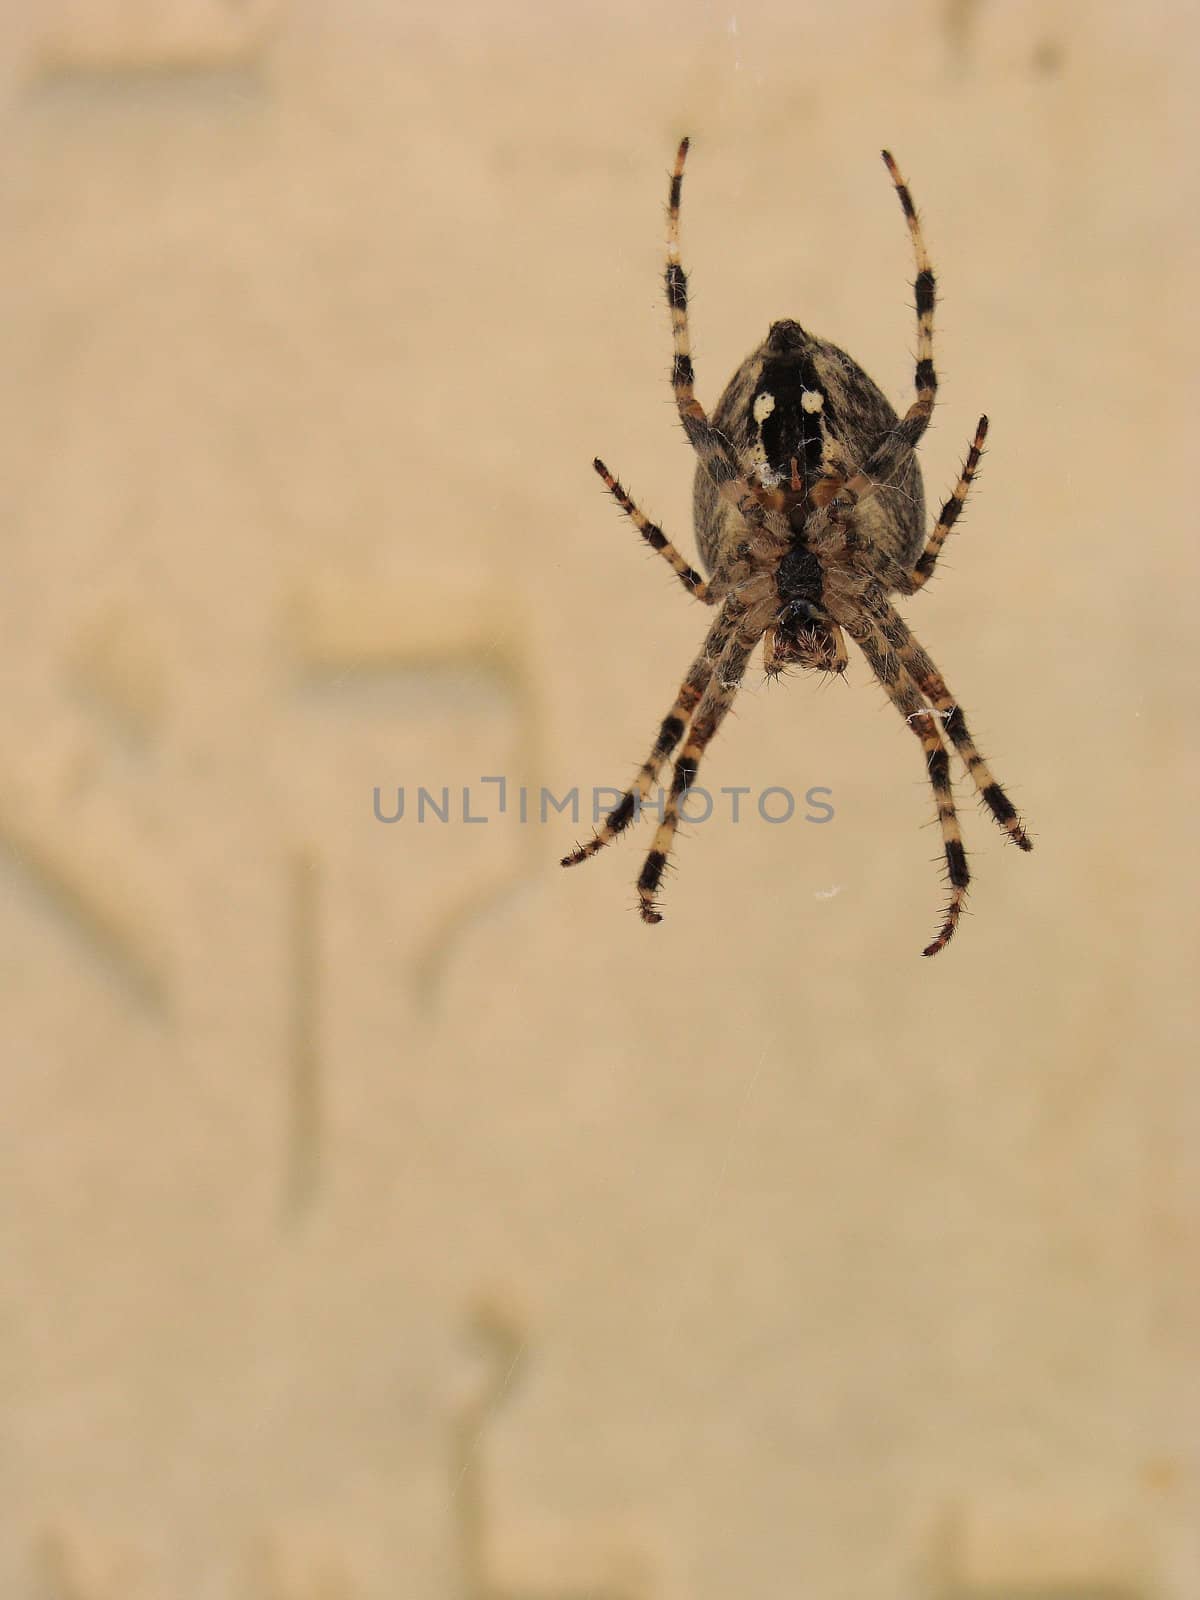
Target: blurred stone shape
78	1564
1019	1550
139	35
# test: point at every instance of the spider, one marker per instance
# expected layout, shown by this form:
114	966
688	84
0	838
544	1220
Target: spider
809	513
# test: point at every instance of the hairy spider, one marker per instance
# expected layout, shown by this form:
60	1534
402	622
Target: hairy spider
809	513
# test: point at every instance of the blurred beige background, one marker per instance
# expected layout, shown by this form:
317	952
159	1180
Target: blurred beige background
386	1212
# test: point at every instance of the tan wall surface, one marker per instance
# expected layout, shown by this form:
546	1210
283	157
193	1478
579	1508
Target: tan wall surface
384	1212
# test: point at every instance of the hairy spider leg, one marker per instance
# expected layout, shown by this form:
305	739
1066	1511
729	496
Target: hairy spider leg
716	454
933	686
656	538
923	569
887	666
673	728
892	452
709	714
910	580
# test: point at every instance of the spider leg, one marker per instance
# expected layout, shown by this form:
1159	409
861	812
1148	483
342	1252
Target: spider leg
859	550
894	575
673	727
656	538
889	669
923	570
933	686
886	459
925	289
707	718
715	452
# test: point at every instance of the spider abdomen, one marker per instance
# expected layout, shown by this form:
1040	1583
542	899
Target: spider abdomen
800	405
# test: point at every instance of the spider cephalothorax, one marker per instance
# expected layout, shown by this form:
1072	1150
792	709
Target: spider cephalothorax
809	514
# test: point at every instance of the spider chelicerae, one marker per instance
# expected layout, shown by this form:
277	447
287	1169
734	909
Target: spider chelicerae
809	513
